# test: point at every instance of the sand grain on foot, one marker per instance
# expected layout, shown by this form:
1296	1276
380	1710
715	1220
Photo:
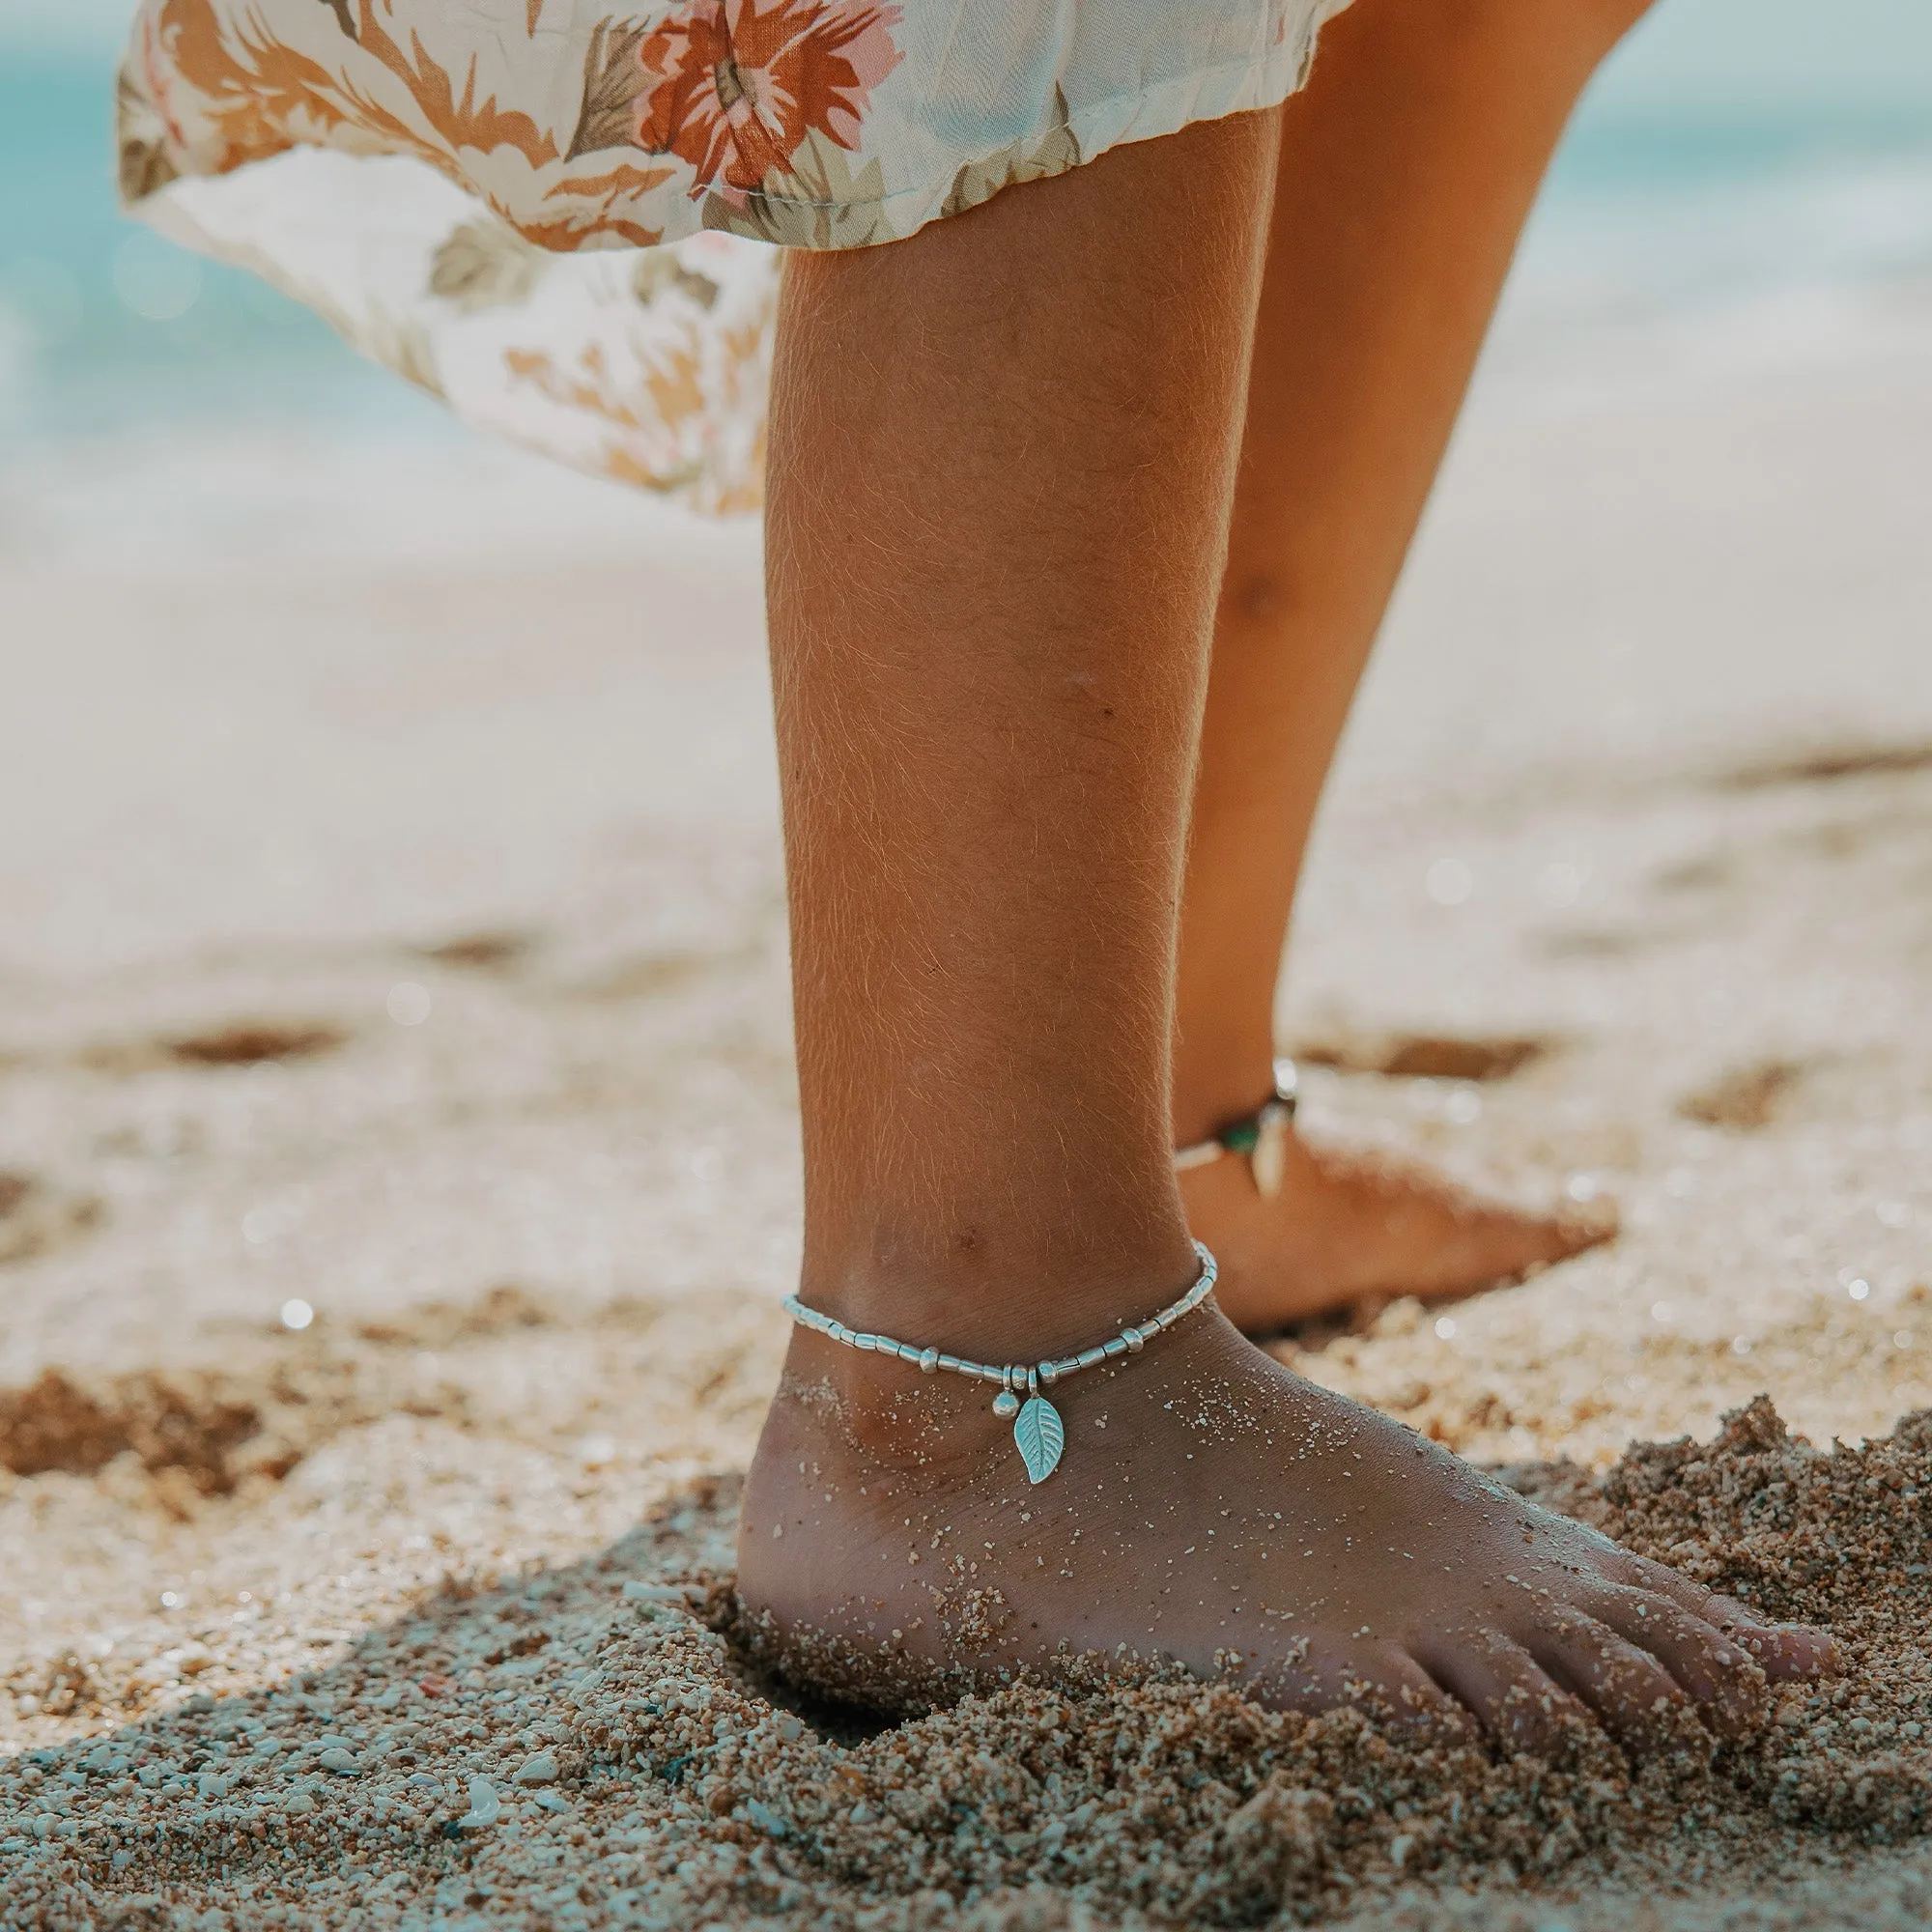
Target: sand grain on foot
585	1745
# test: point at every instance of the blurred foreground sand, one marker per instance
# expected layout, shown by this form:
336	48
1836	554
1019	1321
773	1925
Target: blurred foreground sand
407	943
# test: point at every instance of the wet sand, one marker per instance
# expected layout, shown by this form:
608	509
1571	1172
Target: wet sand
398	950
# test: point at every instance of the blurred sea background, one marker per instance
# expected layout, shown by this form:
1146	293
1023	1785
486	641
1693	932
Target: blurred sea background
1748	183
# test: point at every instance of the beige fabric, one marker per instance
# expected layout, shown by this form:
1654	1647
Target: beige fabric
465	189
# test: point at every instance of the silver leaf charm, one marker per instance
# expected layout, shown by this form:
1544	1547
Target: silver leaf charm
1042	1435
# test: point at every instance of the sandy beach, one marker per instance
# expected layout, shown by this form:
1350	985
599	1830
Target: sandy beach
397	1185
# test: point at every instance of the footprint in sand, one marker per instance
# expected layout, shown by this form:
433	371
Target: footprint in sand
270	1399
1426	1056
191	1423
482	952
248	1042
1746	1099
251	1042
1826	766
36	1218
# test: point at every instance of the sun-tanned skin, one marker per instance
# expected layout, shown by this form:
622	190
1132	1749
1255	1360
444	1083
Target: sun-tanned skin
1408	168
1003	457
1214	1510
1346	1227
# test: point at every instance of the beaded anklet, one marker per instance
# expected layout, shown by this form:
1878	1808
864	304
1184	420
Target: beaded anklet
1037	1430
1263	1135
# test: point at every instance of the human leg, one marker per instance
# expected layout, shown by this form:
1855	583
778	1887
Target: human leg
1407	169
1002	458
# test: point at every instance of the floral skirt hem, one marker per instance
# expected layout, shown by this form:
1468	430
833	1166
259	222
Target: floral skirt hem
563	221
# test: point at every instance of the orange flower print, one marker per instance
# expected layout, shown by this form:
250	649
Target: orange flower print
736	88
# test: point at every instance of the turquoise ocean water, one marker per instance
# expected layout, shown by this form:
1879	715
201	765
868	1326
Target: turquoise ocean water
1668	202
105	326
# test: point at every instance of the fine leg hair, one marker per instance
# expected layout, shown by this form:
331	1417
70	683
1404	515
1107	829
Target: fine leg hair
1002	458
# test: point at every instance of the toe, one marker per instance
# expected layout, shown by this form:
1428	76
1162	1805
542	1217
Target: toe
1508	1690
1412	1699
1782	1651
1575	1231
1715	1668
1711	1668
1385	1681
1638	1700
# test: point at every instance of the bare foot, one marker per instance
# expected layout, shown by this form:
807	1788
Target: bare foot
1217	1511
1345	1228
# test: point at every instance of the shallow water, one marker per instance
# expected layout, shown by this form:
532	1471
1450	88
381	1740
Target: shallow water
130	367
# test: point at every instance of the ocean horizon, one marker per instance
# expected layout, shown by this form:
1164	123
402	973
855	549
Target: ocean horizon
1784	225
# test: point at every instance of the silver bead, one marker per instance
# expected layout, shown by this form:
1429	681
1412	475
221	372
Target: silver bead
928	1361
1134	1340
1006	1404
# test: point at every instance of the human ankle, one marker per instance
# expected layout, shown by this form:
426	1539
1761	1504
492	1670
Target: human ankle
871	1407
1206	1098
1000	1296
838	1409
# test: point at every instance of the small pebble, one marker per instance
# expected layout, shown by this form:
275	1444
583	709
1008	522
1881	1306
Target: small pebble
342	1762
541	1768
485	1807
766	1819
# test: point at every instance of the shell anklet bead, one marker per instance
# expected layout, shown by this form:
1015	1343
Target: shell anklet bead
1262	1136
1038	1433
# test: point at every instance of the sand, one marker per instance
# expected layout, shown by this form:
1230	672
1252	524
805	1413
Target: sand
396	1124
